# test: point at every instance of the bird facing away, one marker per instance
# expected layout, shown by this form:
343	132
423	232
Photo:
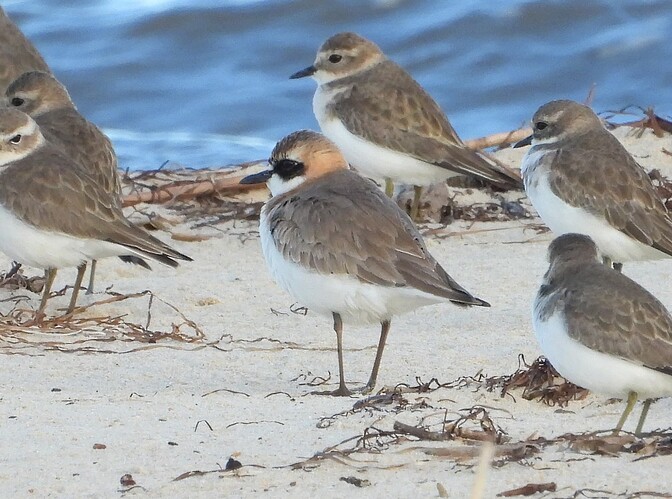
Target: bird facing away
384	122
54	215
600	329
581	179
342	248
17	53
46	100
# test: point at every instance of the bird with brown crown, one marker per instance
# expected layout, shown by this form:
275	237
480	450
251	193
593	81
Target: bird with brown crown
342	248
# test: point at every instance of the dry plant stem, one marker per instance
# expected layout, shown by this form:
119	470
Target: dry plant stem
75	290
92	275
487	453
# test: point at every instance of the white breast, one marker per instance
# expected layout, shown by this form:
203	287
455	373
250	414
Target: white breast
355	301
596	371
373	160
43	249
562	218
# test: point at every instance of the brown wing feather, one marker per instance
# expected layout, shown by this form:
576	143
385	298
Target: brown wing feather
610	313
49	191
342	224
417	125
17	54
84	143
598	174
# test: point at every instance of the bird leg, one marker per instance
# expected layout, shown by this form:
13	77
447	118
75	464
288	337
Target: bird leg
49	276
632	400
89	289
342	390
389	188
371	384
75	290
642	417
415	207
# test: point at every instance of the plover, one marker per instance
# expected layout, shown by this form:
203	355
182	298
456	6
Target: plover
384	122
600	329
342	248
54	215
17	53
581	179
47	101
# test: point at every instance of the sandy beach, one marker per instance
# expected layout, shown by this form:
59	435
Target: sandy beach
224	372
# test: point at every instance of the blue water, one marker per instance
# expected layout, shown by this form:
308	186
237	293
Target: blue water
205	83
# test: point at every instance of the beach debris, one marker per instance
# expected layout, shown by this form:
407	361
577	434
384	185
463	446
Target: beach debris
232	464
127	480
539	381
99	446
357	482
529	489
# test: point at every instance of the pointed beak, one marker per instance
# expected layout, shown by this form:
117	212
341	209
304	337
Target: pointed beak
309	71
257	178
525	142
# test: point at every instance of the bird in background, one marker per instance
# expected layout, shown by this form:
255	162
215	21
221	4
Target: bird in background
581	179
47	101
386	125
54	215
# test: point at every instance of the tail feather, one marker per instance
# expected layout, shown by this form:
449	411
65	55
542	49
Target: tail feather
135	260
137	240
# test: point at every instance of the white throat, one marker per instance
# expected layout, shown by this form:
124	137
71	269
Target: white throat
548	140
279	186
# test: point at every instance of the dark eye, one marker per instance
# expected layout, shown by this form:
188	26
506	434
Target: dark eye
335	58
540	125
288	168
17	101
16	139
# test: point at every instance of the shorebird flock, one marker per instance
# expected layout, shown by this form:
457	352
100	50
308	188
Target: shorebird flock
341	246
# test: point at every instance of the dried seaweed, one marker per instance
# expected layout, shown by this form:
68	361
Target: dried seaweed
539	381
79	332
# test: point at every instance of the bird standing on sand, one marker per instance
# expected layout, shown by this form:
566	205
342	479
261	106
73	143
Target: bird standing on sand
54	215
46	100
600	329
342	248
384	122
581	179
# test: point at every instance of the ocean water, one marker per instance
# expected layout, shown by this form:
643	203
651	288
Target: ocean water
204	83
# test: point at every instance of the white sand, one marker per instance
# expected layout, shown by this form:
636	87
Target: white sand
139	399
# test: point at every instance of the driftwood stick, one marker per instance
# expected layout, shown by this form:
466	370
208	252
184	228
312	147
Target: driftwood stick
498	139
189	189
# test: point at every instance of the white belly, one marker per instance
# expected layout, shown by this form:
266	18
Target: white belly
562	218
355	301
41	249
374	161
598	372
